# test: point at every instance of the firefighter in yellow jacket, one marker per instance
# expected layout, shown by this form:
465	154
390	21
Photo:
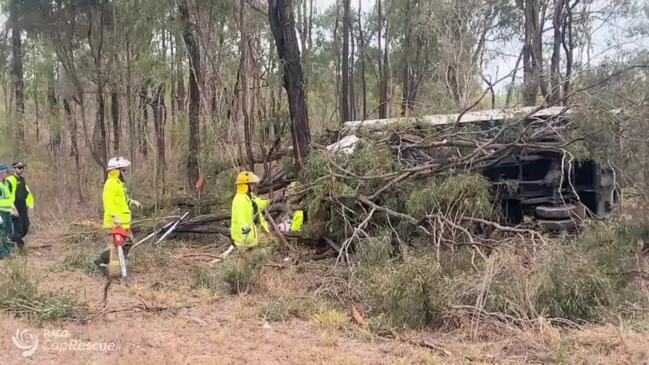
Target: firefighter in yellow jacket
248	226
248	230
117	211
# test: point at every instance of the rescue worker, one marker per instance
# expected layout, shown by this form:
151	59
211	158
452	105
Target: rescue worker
248	230
248	227
293	218
23	201
117	211
7	211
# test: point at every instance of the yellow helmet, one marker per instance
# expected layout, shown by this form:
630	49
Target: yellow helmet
247	177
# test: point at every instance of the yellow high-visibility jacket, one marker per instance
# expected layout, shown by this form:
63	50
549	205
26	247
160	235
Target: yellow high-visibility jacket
116	201
13	181
6	198
243	216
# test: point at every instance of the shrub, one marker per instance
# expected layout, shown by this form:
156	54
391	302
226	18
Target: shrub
82	261
573	287
19	294
282	308
588	279
147	259
464	194
240	271
413	293
331	319
374	251
503	284
205	278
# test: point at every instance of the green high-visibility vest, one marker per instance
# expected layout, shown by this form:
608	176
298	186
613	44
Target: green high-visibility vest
13	181
6	198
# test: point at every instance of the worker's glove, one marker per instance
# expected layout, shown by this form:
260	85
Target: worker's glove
1	221
245	230
15	213
135	203
117	221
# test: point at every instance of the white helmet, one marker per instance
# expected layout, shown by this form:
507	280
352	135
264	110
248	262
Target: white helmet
118	163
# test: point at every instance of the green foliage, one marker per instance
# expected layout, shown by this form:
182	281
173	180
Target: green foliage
206	278
573	287
282	308
20	295
148	259
372	158
413	293
331	319
591	278
240	272
612	247
84	234
82	261
458	194
374	251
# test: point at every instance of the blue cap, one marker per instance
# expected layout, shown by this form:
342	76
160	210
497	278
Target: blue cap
3	168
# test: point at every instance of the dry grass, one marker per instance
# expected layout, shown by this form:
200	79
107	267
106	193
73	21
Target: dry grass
315	299
331	319
21	295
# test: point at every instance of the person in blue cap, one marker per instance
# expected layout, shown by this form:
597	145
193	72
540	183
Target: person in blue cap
7	211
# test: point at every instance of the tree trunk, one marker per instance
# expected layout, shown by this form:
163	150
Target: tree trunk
361	51
530	76
38	112
132	134
537	46
336	43
568	46
510	88
352	54
280	13
384	96
114	112
344	92
243	74
74	148
158	106
194	56
53	111
180	79
101	124
143	124
384	63
405	101
555	65
17	74
379	12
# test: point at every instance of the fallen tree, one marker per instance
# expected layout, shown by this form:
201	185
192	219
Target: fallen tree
419	179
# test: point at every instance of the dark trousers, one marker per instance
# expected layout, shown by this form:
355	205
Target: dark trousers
6	235
21	223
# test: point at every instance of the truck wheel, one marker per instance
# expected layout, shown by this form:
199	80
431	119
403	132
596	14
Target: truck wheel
567	211
569	225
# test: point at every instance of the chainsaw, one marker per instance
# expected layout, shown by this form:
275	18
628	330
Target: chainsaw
117	263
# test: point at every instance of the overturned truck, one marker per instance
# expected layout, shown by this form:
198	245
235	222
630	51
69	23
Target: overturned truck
532	173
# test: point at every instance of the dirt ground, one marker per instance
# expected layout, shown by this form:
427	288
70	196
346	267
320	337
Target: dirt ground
152	322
